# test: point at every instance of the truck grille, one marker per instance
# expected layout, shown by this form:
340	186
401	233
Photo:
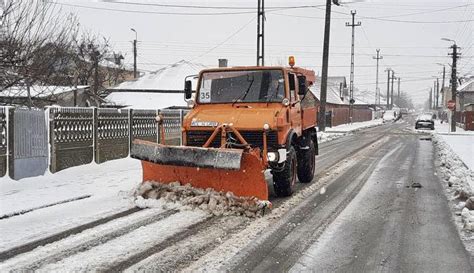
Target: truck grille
254	138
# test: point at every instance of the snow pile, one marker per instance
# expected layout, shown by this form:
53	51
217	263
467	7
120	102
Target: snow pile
326	137
458	179
216	203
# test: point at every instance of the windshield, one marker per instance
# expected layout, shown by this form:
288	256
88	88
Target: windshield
242	86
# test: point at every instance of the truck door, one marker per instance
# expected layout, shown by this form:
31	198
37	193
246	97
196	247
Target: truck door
295	106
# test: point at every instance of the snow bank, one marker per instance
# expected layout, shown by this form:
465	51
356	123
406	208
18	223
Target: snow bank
459	181
209	200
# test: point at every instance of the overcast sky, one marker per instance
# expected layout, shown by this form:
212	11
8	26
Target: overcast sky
407	33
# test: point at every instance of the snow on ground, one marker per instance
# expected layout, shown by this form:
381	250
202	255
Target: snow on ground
343	129
110	186
123	247
461	142
458	178
355	126
216	203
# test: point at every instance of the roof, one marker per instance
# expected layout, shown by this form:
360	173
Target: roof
332	95
468	86
156	90
145	100
367	98
39	91
167	78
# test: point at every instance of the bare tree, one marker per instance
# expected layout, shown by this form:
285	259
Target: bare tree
35	42
96	63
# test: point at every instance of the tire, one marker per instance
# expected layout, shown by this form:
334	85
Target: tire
284	180
306	163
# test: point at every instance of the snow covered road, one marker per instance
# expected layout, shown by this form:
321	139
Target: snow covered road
361	213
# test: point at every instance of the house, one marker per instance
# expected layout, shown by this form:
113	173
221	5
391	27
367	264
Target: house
337	102
160	89
465	94
43	95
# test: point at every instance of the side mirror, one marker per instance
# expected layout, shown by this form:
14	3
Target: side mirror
302	89
188	89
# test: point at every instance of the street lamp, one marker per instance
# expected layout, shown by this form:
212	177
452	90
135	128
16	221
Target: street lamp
135	53
448	40
136	35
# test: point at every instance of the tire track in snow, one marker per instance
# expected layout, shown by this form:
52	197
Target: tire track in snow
10	253
181	254
73	243
106	256
98	241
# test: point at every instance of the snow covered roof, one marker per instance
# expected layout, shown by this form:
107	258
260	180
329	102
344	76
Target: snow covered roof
468	86
38	91
145	100
332	95
167	78
366	98
156	90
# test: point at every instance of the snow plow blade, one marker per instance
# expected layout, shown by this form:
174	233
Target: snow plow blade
226	170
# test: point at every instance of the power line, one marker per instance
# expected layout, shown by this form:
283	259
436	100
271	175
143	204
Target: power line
208	7
154	12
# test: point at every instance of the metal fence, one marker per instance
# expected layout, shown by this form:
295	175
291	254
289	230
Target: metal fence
3	141
77	136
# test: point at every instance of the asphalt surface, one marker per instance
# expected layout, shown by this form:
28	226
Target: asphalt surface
386	212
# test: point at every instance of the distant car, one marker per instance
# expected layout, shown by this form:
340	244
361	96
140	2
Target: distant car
425	121
389	116
404	111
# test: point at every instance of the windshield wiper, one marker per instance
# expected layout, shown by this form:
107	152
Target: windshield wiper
274	93
243	95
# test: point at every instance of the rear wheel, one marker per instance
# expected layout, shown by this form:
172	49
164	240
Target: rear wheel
284	180
306	163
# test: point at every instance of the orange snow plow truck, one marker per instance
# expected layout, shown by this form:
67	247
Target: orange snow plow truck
244	120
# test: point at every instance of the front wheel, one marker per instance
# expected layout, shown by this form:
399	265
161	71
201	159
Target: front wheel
284	180
306	163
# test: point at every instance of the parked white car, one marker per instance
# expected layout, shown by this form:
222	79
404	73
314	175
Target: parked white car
389	116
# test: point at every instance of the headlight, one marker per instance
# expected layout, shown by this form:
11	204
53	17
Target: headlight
272	156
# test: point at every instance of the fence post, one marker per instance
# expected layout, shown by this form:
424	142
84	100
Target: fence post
130	130
181	117
95	123
11	142
158	129
52	159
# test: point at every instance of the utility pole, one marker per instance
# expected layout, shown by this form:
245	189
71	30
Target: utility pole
454	84
391	92
388	87
134	54
437	93
430	99
324	72
261	33
351	85
442	85
377	91
398	96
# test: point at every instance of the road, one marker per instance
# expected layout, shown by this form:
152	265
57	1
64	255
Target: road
375	204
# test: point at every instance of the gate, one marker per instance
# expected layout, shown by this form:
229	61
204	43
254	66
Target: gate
3	141
28	143
112	135
71	137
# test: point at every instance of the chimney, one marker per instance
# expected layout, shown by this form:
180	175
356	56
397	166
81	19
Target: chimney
223	62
